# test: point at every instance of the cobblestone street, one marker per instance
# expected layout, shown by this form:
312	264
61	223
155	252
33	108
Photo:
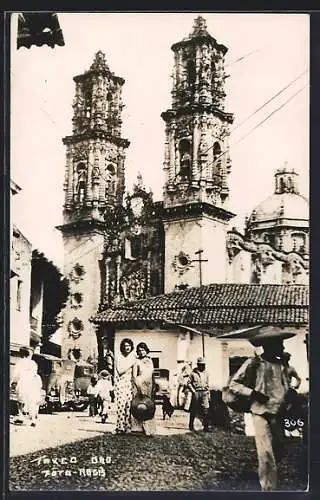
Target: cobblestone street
73	451
67	427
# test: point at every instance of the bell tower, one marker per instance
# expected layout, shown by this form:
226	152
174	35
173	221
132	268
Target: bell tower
94	181
95	152
197	162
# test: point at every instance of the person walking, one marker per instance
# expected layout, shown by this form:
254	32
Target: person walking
92	394
198	384
29	388
265	381
123	385
22	366
103	392
143	386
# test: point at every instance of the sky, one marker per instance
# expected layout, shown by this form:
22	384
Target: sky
266	53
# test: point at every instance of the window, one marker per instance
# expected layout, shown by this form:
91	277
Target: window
136	246
110	178
191	70
185	159
299	242
216	159
19	289
155	362
82	182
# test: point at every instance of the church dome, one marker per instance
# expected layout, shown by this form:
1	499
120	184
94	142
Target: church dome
286	202
284	206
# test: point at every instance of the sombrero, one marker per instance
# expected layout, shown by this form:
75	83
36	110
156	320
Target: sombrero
258	335
143	408
271	334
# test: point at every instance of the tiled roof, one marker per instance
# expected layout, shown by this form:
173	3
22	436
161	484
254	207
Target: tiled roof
218	304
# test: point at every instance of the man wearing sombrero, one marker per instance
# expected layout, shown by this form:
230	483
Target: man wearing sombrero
264	379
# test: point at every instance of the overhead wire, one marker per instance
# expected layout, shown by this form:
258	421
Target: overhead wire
254	128
227	149
283	89
231	145
235	128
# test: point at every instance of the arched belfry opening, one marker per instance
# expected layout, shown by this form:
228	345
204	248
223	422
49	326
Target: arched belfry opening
110	181
81	182
185	159
191	72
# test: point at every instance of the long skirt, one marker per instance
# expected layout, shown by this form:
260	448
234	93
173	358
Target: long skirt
123	397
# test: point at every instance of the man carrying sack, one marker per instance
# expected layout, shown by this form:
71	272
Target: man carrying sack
198	384
264	381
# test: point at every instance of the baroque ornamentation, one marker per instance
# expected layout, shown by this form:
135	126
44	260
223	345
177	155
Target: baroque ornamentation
76	300
77	273
75	328
181	263
269	254
133	286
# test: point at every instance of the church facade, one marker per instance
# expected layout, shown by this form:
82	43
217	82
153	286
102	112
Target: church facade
123	252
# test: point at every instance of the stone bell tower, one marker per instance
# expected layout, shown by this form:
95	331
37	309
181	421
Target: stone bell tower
196	162
94	181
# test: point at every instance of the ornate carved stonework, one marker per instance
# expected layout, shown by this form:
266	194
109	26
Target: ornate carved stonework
77	273
76	300
198	119
265	255
133	286
75	328
181	263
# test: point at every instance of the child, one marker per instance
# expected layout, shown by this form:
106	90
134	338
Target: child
92	393
104	388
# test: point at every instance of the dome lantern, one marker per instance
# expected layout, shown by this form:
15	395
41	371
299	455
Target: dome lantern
286	180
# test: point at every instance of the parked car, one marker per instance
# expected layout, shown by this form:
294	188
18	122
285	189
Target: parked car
82	377
64	384
161	377
73	381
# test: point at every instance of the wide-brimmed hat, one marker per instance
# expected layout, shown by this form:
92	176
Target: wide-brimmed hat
104	374
143	408
263	337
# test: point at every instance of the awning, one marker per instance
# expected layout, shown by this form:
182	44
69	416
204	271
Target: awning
243	333
210	333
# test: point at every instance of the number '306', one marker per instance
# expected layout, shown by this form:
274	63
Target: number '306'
293	423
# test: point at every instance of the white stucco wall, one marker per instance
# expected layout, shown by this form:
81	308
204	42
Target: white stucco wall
85	250
298	350
272	274
157	340
19	316
239	271
189	236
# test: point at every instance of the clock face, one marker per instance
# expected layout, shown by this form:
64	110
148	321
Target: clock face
137	206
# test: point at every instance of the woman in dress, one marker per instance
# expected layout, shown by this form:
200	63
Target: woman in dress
143	385
123	385
29	388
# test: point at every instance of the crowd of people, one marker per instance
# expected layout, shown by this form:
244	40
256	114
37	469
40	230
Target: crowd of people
267	383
